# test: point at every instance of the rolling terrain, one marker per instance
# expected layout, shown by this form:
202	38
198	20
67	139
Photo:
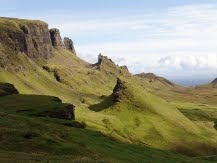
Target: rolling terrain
127	117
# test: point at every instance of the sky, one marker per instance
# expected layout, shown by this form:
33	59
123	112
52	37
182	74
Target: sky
176	39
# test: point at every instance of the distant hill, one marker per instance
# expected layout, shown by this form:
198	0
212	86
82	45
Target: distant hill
152	78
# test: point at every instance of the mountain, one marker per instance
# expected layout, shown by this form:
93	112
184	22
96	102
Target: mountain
127	116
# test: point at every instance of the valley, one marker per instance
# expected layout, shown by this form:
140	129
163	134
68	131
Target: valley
119	117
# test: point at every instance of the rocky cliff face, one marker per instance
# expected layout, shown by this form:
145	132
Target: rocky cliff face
56	38
118	90
69	45
31	38
57	42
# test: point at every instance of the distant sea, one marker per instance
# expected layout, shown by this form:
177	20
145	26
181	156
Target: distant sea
191	82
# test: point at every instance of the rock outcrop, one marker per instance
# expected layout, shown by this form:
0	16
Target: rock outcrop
68	43
55	73
214	81
7	89
67	113
104	59
118	90
31	38
56	39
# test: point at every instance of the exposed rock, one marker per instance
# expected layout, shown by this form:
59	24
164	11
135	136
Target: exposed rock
56	39
214	81
69	45
124	68
103	59
118	90
215	125
33	39
55	73
7	89
57	76
67	113
48	69
75	124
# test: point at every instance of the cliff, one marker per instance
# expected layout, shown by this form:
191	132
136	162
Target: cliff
30	37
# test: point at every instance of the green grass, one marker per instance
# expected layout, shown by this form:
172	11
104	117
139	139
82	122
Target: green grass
143	116
13	24
50	140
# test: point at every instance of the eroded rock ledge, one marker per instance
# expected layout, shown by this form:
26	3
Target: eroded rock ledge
57	42
31	37
118	90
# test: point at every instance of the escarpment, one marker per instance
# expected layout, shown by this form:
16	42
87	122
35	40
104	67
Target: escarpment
29	37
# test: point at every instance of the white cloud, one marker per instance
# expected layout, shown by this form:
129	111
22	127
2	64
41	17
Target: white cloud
183	39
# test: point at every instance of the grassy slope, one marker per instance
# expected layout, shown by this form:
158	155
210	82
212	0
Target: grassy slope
12	24
145	118
83	82
46	139
85	85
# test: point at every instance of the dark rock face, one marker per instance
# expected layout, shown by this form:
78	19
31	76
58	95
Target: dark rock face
67	113
69	45
214	81
57	76
32	39
7	89
75	124
118	90
56	39
55	73
104	59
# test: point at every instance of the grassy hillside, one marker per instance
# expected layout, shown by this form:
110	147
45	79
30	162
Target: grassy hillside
29	137
148	113
144	118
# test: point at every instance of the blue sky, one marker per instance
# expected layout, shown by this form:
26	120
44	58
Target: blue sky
172	38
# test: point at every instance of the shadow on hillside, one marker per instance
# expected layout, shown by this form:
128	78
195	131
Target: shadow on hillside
103	105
